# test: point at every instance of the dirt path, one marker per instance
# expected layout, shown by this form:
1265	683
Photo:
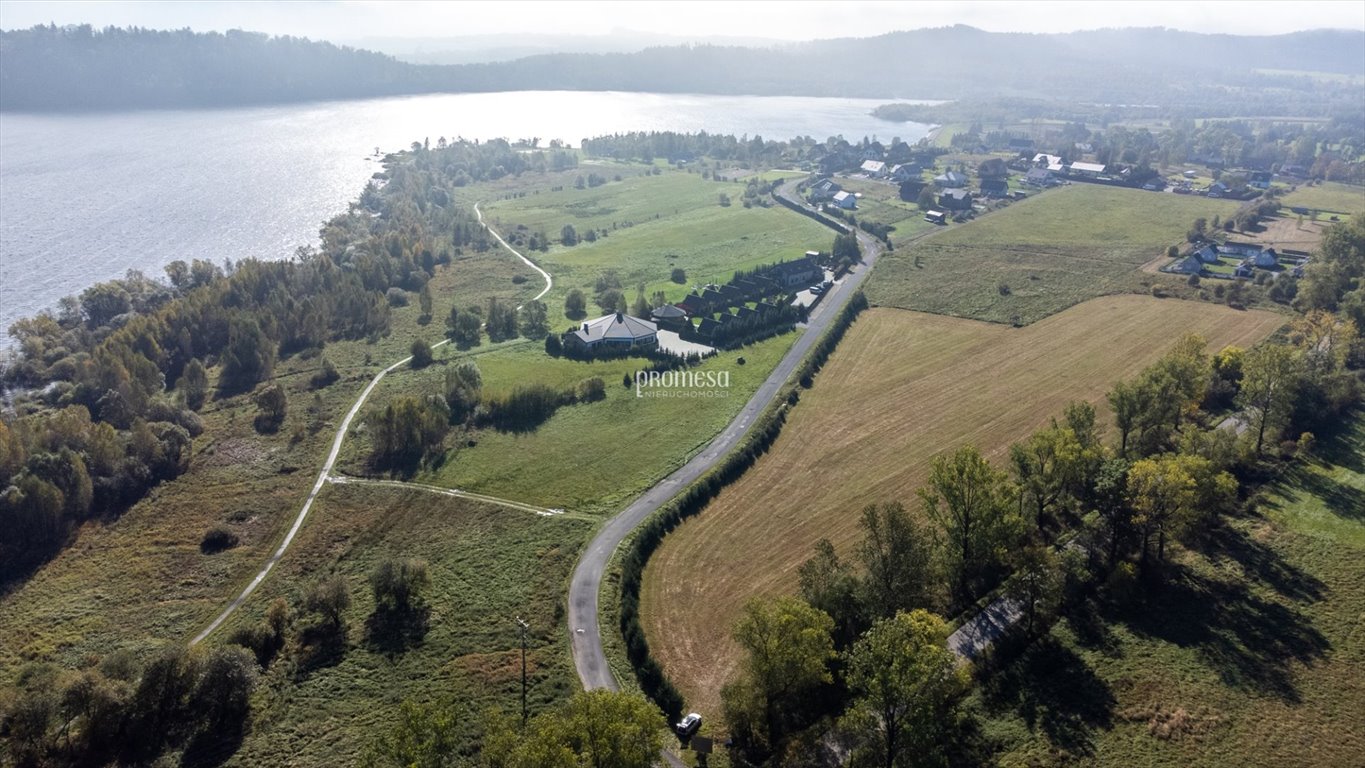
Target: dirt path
325	475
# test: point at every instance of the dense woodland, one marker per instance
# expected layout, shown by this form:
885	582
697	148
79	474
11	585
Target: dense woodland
51	68
110	383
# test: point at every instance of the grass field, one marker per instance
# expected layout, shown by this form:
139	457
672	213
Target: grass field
654	224
1041	255
488	565
1252	647
901	387
1328	196
590	457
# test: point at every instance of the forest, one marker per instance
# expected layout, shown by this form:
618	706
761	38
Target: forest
81	68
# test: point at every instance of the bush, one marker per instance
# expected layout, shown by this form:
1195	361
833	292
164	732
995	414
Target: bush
325	376
398	585
397	297
421	354
217	539
273	406
592	390
678	275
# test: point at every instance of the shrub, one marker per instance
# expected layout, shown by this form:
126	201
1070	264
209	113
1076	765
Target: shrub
421	354
273	406
397	297
217	539
591	390
325	375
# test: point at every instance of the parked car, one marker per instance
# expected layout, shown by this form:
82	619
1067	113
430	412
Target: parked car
688	726
817	289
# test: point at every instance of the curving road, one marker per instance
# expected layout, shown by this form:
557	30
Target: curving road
325	475
586	584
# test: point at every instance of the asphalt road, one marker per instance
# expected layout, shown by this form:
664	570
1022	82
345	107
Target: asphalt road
586	584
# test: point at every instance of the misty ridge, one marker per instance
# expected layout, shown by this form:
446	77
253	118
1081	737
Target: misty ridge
50	68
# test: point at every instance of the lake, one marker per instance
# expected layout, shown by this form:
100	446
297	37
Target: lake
86	197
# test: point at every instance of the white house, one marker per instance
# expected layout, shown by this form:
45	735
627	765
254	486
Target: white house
903	172
615	331
1050	162
1089	170
873	167
846	200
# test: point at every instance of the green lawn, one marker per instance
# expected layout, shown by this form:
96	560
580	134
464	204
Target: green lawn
654	224
1040	255
590	457
1252	650
1328	196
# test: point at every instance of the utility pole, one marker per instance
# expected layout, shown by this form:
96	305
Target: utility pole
524	627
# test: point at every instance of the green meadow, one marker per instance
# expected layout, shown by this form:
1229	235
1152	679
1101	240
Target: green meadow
1040	255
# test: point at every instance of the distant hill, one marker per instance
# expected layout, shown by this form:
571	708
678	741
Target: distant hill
54	68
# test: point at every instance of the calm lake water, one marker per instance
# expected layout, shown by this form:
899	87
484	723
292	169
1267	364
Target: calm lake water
84	198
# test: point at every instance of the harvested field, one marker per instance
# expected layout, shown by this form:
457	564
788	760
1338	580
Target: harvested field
902	387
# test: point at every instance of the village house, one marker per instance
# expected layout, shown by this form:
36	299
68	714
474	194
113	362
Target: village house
955	199
1266	259
1052	163
1086	170
1039	177
936	217
615	331
669	316
904	172
950	180
797	272
874	168
845	200
1190	265
995	187
824	189
1208	254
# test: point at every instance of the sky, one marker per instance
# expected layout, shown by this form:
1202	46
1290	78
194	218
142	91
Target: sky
346	20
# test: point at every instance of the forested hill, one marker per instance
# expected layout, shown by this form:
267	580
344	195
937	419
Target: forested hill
47	68
74	68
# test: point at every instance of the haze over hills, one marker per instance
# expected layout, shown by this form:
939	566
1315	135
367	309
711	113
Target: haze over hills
52	68
480	49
